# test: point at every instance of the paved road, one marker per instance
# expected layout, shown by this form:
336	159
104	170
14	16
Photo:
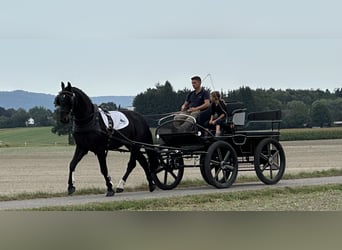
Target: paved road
78	200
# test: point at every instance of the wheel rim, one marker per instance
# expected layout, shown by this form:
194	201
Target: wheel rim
169	173
270	162
221	165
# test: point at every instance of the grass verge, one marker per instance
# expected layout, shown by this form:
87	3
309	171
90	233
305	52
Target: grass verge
184	184
312	198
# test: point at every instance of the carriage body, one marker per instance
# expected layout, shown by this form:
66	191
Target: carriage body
249	142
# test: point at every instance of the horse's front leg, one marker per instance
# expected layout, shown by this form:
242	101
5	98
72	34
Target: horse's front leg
78	155
101	156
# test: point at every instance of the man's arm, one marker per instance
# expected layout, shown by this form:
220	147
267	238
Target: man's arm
201	107
184	106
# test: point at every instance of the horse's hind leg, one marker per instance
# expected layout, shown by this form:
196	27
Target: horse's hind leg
78	155
143	162
130	166
101	156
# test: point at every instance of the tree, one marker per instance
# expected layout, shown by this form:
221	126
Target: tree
320	114
41	116
160	99
335	107
338	92
244	95
62	129
155	102
19	118
110	106
296	115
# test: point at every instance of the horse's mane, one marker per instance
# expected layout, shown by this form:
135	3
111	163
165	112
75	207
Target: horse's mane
82	94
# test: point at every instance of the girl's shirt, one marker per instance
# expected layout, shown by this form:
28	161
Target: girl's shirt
218	109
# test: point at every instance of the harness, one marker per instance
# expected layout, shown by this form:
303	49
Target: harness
92	123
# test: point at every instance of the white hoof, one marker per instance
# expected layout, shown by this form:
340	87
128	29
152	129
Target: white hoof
120	186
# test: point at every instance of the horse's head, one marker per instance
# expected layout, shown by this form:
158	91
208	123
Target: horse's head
65	101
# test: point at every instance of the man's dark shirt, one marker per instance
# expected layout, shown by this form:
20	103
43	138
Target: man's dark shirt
196	100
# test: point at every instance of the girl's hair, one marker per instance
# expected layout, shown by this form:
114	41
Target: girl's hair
216	95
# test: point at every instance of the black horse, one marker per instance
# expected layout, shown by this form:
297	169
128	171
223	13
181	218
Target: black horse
91	134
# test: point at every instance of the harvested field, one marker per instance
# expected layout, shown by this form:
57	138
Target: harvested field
45	169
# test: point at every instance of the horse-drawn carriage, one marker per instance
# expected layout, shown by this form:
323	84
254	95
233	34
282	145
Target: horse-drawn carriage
248	142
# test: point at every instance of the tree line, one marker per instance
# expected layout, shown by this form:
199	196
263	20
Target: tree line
300	108
12	118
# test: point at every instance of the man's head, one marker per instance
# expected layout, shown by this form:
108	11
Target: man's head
196	82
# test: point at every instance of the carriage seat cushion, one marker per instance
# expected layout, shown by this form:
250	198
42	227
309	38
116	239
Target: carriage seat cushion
120	120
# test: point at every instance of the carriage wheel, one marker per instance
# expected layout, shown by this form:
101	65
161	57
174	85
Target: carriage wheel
202	168
170	171
221	165
269	161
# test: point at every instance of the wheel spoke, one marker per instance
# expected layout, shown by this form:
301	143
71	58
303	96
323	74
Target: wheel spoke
230	167
159	169
217	173
219	153
268	149
226	175
173	174
265	157
216	163
226	157
274	155
165	177
265	167
275	166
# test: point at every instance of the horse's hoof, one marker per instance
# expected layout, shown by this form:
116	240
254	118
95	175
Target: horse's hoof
152	187
110	193
71	190
119	190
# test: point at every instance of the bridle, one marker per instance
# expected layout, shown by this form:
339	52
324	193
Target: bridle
61	96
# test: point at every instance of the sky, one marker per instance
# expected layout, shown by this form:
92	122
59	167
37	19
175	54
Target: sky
125	47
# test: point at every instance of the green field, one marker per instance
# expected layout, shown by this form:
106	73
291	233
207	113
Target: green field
310	134
34	136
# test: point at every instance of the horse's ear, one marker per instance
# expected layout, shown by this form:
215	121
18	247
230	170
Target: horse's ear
69	85
62	85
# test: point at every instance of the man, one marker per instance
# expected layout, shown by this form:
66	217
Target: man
196	101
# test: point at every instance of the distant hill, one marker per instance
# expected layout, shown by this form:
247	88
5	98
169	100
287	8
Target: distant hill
26	100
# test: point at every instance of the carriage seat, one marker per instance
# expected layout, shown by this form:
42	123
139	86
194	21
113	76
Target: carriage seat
232	108
268	120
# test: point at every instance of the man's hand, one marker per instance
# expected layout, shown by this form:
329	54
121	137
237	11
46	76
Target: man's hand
192	109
